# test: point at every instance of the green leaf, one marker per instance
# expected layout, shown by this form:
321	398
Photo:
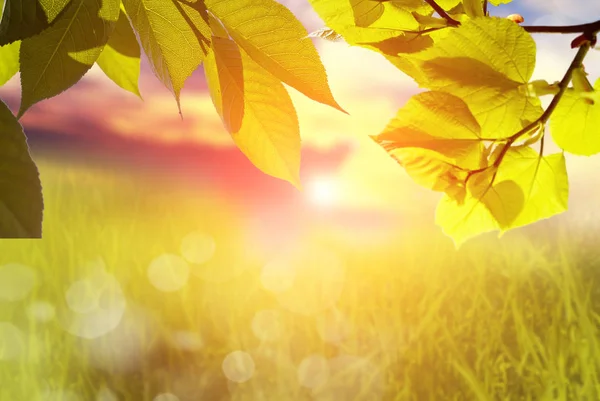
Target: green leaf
61	55
366	12
9	61
484	61
256	109
22	19
575	123
270	34
339	15
120	59
174	36
473	8
432	170
544	182
436	121
21	204
527	188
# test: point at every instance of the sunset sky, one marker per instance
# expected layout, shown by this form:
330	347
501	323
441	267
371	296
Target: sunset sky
340	161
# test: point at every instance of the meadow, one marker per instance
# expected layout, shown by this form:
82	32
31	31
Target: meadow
141	291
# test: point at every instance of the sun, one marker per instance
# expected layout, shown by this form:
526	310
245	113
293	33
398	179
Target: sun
322	191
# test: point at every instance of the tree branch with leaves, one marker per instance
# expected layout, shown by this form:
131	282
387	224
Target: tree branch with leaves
476	134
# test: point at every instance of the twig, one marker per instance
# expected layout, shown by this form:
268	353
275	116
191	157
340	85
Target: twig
591	28
562	85
442	13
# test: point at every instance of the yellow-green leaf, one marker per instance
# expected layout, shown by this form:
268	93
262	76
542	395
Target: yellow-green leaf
174	36
432	170
57	58
437	121
575	123
464	220
256	109
270	34
527	188
21	204
485	61
120	59
22	19
339	15
473	8
366	12
9	61
544	182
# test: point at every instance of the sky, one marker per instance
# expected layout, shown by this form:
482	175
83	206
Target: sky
337	152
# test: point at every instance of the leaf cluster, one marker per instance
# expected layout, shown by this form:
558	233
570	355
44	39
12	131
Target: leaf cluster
249	49
477	133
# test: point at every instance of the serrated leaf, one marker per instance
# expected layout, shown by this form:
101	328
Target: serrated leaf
256	109
484	61
270	34
473	8
366	12
437	121
464	220
21	204
544	182
174	36
60	56
120	59
575	121
22	19
527	188
339	15
432	170
9	61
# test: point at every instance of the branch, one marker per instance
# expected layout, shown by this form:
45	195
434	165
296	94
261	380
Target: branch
591	28
562	87
442	13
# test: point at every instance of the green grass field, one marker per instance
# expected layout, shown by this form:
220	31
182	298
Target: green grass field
93	312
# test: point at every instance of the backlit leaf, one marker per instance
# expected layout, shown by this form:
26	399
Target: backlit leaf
21	204
120	59
527	188
256	109
57	58
485	61
575	123
9	61
339	15
544	182
25	18
432	170
270	34
174	36
436	121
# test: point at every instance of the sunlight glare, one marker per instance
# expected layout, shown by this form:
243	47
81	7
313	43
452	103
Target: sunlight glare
12	342
41	311
168	273
198	247
313	371
238	366
322	191
266	325
16	281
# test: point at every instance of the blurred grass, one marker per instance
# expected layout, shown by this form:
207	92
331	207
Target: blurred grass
412	319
